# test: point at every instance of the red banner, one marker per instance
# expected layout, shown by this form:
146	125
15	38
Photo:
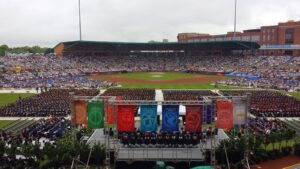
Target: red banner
193	120
80	112
110	114
224	114
126	117
110	111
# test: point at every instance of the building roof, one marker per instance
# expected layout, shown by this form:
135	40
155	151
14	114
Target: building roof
130	46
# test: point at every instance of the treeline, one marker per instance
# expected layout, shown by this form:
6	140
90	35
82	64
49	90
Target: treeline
33	49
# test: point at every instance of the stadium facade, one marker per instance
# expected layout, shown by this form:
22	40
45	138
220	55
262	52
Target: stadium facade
93	48
280	39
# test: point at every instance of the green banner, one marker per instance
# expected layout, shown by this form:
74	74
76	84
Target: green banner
95	114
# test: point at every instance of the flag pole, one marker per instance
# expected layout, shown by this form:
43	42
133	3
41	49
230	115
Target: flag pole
79	13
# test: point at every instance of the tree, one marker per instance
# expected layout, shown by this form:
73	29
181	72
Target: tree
49	50
12	151
98	154
2	148
3	48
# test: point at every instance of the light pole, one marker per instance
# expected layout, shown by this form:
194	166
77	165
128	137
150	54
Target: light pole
79	13
235	4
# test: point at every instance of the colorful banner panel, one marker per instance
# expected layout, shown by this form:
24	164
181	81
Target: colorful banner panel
209	114
148	118
126	117
170	114
224	114
110	118
80	112
239	111
111	112
193	119
95	114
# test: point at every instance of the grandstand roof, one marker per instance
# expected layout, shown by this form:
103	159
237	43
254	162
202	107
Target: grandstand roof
86	46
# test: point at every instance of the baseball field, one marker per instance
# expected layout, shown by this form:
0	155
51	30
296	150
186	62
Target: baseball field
164	80
7	98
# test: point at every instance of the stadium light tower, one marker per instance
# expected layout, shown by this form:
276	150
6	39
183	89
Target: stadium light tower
79	13
235	4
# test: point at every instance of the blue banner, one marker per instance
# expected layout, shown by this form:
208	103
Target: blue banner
148	118
170	115
207	114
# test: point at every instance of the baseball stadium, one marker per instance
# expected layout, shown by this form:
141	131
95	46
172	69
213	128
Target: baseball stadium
161	105
229	101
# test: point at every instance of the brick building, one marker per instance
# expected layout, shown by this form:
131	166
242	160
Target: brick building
280	39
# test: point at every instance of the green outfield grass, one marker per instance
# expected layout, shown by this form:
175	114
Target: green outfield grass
169	76
7	98
4	123
157	75
295	94
153	79
180	86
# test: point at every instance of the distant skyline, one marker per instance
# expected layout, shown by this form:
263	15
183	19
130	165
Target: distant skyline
48	22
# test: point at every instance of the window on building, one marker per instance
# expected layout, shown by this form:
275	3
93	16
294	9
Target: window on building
289	36
255	38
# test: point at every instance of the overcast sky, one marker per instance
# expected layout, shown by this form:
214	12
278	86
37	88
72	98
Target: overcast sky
48	22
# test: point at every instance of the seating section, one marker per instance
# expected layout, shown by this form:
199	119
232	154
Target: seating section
131	94
269	103
16	127
293	124
265	126
55	102
48	128
276	72
187	94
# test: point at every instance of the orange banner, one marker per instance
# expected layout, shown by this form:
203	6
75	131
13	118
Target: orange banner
224	114
193	120
80	112
110	114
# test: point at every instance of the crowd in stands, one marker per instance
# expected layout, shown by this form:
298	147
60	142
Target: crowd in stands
131	94
269	103
272	72
44	71
37	136
187	94
48	128
279	72
265	126
55	102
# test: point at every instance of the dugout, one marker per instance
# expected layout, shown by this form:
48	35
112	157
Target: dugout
94	48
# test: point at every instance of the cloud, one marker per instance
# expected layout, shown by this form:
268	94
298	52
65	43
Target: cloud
48	22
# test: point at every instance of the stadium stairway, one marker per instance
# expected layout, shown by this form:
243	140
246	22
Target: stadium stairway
16	128
287	62
159	96
262	59
11	124
20	128
292	124
217	92
101	92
